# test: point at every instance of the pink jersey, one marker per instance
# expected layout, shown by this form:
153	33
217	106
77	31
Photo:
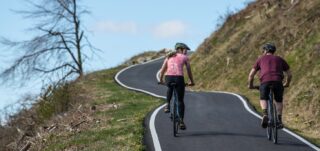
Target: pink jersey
175	64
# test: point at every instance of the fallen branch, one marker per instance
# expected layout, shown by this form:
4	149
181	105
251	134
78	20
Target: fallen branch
52	128
26	147
76	125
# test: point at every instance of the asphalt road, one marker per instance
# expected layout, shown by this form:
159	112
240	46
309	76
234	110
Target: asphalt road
215	121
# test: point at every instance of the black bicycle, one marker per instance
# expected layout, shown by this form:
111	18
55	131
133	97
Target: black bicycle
174	110
272	128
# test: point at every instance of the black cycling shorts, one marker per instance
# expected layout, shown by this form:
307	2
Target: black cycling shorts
277	90
180	87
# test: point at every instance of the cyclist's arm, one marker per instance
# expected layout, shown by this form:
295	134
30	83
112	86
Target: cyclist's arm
163	70
188	66
288	79
251	78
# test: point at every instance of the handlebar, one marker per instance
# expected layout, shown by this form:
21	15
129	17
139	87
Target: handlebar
161	83
258	87
186	84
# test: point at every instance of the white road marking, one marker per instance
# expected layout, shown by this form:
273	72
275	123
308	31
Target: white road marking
152	127
153	116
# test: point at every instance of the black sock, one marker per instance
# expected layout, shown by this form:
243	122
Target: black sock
265	112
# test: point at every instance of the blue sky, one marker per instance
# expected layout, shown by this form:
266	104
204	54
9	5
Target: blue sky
122	29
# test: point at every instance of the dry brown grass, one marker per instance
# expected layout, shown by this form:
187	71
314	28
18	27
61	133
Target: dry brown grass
146	56
223	60
80	112
56	112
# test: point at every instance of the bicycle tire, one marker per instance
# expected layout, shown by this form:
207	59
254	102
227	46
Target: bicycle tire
175	113
275	127
271	123
269	128
174	120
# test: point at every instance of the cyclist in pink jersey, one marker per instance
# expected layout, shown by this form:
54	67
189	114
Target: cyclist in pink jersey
172	68
271	72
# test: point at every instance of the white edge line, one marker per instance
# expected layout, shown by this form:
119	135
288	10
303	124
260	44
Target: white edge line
152	119
154	134
245	104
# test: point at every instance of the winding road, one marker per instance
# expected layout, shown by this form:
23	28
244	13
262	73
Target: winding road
216	121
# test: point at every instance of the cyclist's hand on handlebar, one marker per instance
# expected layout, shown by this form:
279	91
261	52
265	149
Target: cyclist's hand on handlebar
286	85
190	84
256	87
253	87
161	82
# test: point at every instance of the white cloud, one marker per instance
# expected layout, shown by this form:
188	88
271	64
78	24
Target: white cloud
115	27
170	29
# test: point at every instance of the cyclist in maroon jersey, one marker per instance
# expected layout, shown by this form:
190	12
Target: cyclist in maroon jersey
271	72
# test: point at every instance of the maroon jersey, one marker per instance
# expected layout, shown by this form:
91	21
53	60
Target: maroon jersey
271	68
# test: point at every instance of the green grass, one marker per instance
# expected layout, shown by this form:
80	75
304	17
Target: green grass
121	128
54	104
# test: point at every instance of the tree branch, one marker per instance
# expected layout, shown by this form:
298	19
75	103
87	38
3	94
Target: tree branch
65	7
60	46
65	42
67	75
69	50
55	69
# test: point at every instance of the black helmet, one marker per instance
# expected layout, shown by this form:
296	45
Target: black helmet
269	47
181	45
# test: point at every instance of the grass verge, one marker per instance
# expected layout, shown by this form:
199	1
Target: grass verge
118	118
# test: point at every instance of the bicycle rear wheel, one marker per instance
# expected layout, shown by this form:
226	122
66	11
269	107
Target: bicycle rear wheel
275	126
176	118
269	128
174	122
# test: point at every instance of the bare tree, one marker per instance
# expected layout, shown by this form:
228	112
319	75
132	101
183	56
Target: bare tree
58	47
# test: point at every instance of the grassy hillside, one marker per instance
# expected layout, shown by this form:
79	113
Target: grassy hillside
223	60
92	113
115	123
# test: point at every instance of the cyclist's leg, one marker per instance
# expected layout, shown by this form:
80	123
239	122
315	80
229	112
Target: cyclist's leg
181	91
264	96
278	96
169	79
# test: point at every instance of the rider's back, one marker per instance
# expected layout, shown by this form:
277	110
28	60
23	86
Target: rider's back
175	64
271	68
